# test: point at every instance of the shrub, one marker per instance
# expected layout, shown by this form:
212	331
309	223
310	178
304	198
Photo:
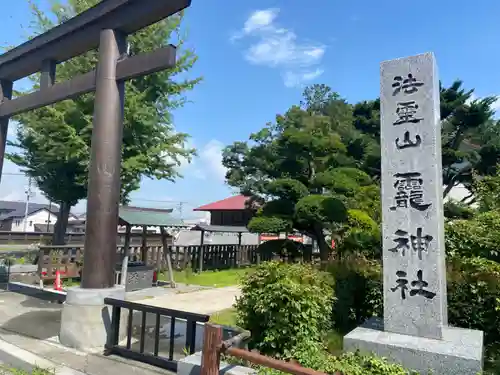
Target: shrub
358	291
361	235
283	305
479	237
473	296
313	355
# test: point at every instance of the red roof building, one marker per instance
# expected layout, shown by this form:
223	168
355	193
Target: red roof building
231	211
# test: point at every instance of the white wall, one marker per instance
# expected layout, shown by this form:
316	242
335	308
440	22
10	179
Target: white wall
458	193
39	217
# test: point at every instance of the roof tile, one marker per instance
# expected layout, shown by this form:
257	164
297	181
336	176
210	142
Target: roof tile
236	202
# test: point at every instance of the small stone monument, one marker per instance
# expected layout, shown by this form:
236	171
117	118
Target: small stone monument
414	331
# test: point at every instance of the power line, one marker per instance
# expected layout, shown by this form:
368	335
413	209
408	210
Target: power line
157	201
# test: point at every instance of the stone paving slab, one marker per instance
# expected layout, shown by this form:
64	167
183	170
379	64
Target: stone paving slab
207	301
64	361
32	326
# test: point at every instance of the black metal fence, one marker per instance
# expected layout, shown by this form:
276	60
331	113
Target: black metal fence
156	354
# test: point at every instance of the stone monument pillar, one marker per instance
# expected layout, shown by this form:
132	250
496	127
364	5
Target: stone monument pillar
414	331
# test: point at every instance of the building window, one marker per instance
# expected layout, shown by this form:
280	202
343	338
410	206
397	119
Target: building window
31	223
18	222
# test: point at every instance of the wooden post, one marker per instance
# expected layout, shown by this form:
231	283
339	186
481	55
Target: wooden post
5	94
200	253
125	255
202	238
168	256
239	252
210	359
144	245
159	256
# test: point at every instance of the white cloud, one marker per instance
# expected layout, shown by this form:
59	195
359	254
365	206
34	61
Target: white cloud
260	19
208	164
280	48
292	79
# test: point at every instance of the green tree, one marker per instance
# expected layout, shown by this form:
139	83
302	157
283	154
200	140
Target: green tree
300	173
53	143
487	191
463	147
470	138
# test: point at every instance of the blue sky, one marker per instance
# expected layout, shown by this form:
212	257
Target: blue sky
256	56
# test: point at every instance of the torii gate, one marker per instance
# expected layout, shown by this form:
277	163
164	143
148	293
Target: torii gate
104	26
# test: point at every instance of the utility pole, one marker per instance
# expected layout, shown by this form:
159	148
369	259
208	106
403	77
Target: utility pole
28	195
48	219
181	205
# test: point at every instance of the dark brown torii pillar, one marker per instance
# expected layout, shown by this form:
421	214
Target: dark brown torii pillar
105	165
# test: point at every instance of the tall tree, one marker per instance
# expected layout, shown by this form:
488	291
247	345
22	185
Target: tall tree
462	121
300	174
465	145
53	143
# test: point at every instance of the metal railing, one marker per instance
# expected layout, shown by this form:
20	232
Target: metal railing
213	347
156	357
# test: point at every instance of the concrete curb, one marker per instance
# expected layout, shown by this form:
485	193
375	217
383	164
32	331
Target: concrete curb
34	360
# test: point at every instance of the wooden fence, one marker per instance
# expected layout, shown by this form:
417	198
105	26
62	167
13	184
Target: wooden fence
28	238
68	259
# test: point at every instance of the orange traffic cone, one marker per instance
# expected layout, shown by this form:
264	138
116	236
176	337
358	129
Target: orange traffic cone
57	281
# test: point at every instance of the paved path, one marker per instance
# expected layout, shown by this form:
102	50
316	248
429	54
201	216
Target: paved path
29	328
25	353
206	301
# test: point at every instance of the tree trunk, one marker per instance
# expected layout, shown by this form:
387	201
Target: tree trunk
324	248
59	235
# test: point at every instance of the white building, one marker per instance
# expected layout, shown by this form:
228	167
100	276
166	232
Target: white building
458	193
39	218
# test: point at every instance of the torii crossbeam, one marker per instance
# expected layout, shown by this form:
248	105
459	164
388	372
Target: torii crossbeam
104	26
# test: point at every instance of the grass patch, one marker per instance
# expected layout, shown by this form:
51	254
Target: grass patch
215	279
225	317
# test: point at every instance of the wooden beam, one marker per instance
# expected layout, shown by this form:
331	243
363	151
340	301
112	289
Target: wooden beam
81	33
132	67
